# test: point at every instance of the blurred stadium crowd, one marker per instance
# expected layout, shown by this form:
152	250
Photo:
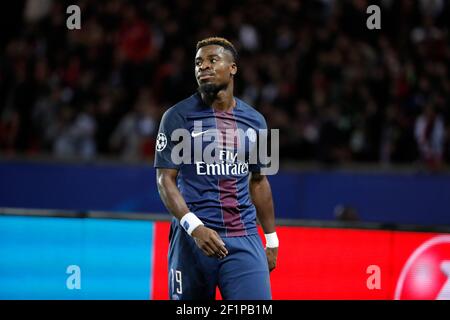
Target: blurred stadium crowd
338	92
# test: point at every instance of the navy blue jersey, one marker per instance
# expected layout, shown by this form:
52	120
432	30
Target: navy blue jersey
218	193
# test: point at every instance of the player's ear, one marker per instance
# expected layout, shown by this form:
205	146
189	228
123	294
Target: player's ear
233	69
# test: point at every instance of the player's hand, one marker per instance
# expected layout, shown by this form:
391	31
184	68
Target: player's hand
209	242
272	254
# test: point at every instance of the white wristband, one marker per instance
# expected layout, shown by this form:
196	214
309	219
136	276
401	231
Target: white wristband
189	222
272	240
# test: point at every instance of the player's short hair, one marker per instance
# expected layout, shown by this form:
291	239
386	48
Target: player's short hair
227	45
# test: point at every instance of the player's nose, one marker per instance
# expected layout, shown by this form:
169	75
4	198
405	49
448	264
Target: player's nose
204	66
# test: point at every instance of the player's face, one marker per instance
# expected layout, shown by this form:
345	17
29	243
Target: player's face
214	65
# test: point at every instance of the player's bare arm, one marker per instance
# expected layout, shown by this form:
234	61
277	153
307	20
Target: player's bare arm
262	199
206	239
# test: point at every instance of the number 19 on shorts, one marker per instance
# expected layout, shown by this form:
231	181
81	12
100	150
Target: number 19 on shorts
176	281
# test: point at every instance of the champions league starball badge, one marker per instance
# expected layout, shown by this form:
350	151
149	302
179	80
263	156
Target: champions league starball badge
161	142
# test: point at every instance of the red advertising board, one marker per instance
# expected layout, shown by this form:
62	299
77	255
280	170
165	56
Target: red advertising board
332	263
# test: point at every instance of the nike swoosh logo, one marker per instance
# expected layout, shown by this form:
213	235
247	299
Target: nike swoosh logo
196	134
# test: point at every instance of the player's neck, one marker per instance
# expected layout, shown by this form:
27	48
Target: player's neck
223	101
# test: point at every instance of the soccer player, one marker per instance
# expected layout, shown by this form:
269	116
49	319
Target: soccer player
213	234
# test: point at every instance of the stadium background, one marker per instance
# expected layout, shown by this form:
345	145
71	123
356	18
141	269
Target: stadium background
364	141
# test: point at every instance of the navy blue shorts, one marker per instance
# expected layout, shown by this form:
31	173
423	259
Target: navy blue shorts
242	275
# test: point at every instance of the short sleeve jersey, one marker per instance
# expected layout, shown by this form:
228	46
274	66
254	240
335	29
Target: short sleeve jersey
217	192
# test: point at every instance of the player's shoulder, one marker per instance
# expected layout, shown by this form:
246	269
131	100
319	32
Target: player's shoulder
251	112
182	108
